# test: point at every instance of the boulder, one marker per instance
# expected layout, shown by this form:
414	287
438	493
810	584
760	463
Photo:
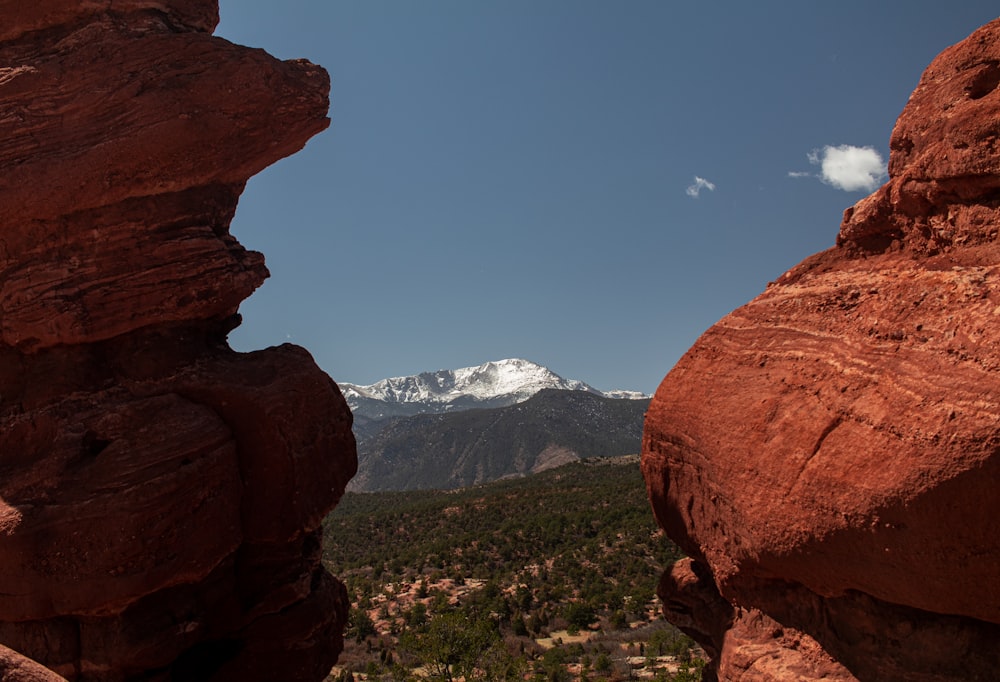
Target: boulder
827	454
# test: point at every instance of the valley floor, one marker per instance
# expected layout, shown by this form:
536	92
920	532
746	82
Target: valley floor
549	577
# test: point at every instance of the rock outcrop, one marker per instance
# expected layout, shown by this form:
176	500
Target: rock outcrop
827	455
160	495
16	668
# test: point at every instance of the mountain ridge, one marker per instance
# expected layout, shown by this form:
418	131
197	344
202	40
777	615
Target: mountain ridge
497	383
468	447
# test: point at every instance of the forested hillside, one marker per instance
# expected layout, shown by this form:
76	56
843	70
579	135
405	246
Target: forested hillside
553	427
551	576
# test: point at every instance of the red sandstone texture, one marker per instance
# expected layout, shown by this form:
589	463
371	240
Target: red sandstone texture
160	495
828	455
17	668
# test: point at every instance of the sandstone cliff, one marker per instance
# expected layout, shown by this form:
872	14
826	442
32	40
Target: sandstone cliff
160	494
827	455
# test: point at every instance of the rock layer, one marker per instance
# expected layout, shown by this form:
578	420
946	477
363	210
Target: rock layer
160	495
827	454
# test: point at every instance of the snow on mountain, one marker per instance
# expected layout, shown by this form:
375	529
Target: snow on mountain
494	384
625	395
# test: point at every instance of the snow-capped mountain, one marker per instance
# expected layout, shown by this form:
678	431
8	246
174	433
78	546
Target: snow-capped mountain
494	384
468	447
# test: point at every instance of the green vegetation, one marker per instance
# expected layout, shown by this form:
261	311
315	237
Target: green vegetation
548	577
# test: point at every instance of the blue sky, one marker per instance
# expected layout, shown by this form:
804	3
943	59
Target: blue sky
520	178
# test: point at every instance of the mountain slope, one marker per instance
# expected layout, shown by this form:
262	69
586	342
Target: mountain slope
474	446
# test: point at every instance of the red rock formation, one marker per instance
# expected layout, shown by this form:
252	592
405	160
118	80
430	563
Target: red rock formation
828	454
17	668
160	495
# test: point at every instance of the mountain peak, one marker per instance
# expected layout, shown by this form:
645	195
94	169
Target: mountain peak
493	384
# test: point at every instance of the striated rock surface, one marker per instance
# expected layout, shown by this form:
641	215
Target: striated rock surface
828	454
160	495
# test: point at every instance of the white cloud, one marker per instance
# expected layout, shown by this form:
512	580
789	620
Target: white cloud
699	184
849	168
799	174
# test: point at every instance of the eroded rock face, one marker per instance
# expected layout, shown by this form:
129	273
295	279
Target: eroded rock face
828	453
160	495
16	668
